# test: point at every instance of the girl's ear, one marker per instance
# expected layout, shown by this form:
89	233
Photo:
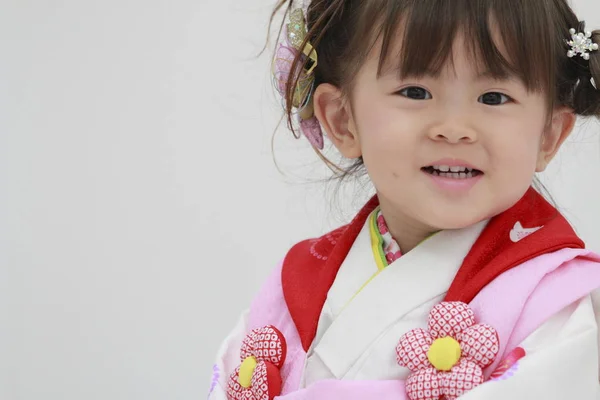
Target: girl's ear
561	126
335	116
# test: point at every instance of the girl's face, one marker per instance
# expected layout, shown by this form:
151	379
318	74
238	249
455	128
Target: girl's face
458	119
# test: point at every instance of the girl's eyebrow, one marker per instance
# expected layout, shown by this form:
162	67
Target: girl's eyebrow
485	75
489	75
480	76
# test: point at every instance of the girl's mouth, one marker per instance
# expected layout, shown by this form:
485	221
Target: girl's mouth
452	172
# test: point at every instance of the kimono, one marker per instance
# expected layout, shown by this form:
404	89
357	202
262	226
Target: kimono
511	300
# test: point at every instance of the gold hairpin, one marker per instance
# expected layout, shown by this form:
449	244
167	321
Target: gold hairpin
296	29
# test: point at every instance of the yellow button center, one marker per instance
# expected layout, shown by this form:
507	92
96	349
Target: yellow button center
246	371
444	353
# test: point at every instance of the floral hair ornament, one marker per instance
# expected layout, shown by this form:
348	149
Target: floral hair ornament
294	36
581	44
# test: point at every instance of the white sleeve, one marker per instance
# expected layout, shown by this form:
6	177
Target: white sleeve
228	359
561	360
596	304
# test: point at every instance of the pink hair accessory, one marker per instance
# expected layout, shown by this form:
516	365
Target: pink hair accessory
294	35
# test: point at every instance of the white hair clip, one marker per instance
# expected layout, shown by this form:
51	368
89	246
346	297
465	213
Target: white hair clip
581	44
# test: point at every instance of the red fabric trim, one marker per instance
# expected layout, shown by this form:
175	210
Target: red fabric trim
494	253
310	267
306	279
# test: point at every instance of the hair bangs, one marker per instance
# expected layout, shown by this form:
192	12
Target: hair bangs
503	38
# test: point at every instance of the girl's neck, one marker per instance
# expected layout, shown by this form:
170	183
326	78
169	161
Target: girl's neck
407	232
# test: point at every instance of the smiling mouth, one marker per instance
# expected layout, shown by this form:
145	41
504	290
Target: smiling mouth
452	172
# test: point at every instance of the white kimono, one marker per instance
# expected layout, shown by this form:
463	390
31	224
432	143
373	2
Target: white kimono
360	325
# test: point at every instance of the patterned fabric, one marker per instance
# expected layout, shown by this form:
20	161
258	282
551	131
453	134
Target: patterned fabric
429	384
480	343
479	346
321	246
267	347
390	247
415	346
450	319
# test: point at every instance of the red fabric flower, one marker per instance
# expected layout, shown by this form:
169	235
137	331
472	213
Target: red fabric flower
447	360
258	377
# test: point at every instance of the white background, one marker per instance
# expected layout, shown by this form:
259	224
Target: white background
140	207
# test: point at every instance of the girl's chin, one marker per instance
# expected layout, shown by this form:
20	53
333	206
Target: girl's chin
446	222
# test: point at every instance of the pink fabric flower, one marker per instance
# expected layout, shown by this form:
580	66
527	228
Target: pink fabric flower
263	354
448	359
282	73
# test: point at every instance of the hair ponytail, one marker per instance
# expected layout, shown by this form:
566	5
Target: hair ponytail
586	96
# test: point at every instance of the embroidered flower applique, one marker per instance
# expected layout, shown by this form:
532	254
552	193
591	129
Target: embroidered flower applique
258	377
448	358
215	379
509	366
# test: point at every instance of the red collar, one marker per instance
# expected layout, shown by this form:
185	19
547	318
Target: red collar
310	267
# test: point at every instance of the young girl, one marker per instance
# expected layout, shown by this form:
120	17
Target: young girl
457	279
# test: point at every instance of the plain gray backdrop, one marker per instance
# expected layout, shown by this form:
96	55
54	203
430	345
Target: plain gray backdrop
140	206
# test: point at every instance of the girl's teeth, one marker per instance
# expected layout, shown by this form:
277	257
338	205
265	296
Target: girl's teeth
454	175
446	169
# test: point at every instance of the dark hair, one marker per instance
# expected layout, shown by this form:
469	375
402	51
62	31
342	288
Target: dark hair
534	33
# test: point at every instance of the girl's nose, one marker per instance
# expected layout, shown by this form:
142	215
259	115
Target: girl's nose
453	132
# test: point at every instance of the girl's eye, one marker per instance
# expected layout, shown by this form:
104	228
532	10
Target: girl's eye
494	99
416	93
